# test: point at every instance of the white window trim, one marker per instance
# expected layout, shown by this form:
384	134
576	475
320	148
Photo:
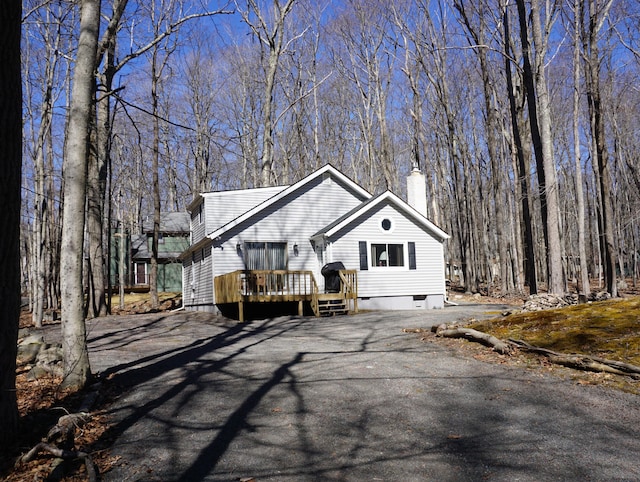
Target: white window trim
391	229
405	255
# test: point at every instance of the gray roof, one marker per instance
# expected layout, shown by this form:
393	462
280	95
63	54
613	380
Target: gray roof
140	249
170	222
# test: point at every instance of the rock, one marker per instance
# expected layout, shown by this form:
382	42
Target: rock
31	339
547	301
49	354
599	296
28	353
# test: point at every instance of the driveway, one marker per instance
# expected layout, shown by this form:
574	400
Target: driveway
348	399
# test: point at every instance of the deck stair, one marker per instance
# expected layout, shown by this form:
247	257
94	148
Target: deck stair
332	304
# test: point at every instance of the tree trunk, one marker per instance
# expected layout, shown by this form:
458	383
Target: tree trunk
522	167
601	154
267	172
153	276
77	369
96	303
475	32
10	171
540	120
584	287
97	185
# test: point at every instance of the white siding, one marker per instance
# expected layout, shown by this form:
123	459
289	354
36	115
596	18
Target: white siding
223	207
218	208
198	279
293	219
426	279
186	282
198	228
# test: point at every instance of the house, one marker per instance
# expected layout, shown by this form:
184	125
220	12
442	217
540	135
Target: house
267	245
135	253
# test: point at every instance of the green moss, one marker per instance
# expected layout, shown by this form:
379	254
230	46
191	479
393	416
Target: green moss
609	329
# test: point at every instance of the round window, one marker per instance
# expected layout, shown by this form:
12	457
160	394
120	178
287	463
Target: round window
386	224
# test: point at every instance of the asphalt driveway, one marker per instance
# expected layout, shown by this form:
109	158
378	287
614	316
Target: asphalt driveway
349	399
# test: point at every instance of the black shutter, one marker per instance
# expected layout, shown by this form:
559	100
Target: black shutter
364	262
412	255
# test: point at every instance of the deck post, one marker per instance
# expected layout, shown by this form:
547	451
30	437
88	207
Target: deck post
240	311
300	308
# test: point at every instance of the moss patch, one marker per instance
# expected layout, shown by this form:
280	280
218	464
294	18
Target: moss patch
608	329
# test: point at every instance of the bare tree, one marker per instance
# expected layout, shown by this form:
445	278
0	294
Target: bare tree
45	49
77	369
271	36
522	155
475	16
99	166
597	13
159	62
464	217
10	169
540	121
365	57
584	287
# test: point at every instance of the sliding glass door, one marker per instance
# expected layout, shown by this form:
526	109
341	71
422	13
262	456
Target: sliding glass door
265	256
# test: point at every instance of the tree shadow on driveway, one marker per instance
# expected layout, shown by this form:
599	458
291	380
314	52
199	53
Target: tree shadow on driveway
351	398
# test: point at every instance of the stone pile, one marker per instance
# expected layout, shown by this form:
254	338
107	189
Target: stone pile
44	358
547	301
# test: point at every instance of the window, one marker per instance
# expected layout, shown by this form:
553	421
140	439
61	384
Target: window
387	254
386	224
265	256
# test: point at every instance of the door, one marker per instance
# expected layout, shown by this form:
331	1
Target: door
141	274
266	256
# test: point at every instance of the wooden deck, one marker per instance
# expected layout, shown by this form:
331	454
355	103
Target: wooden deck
256	286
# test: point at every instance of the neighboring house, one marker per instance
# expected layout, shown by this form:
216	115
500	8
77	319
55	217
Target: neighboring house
173	239
270	244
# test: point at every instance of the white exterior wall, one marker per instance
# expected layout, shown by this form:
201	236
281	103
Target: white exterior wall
293	219
218	208
197	284
198	225
388	281
223	207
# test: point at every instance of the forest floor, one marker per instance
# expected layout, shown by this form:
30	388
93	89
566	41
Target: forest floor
607	329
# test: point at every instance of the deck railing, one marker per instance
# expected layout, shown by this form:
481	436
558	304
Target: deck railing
349	283
264	285
280	285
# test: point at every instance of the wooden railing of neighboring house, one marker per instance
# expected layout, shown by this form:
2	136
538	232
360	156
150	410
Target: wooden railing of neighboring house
262	286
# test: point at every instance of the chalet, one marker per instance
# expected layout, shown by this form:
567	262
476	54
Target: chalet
324	244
